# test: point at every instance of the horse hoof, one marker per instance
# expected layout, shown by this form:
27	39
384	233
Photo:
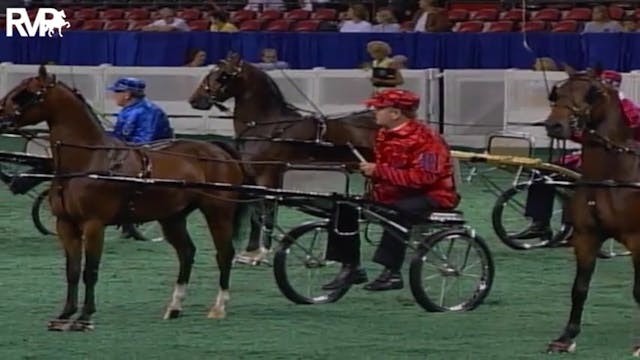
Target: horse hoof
81	325
216	314
636	351
172	314
59	325
561	347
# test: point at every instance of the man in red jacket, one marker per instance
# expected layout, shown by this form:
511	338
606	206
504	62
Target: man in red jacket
540	197
412	172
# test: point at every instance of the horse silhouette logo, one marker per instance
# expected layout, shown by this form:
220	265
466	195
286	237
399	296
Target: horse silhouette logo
58	22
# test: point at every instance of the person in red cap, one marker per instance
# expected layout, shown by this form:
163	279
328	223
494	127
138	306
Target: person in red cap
540	197
412	172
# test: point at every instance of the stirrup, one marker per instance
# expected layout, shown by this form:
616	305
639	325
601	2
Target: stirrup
252	258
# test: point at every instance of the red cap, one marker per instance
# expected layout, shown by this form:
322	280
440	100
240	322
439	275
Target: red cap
611	75
397	98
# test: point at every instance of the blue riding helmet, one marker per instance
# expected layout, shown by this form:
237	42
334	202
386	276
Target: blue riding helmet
132	84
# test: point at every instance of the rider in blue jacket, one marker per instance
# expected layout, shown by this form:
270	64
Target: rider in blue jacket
140	121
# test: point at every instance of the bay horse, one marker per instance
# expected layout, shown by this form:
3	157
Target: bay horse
584	104
268	128
83	206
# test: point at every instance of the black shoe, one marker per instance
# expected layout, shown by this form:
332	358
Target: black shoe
348	275
388	280
534	231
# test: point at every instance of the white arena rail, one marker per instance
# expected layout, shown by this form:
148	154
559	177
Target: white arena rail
476	102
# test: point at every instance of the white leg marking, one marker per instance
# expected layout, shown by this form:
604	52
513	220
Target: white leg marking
218	310
179	294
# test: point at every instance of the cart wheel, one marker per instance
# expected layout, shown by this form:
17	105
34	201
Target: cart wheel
451	271
611	249
300	267
508	220
41	214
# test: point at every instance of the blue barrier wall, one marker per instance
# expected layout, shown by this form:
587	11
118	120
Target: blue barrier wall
331	50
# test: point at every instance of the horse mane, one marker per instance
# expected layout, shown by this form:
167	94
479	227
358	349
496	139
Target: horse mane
92	114
275	91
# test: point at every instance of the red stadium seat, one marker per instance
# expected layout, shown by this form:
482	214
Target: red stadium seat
578	14
242	15
138	14
251	25
636	14
269	15
86	14
325	14
616	13
2	24
297	14
139	24
279	25
471	26
112	14
190	14
407	26
457	15
565	26
500	26
69	12
93	25
514	15
485	15
306	25
117	25
548	14
199	25
537	25
75	24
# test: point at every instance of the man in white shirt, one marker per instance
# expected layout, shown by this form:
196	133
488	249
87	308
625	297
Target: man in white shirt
167	22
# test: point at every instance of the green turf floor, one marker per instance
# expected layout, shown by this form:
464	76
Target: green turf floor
528	306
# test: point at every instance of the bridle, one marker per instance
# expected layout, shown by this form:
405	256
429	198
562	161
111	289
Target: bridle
23	100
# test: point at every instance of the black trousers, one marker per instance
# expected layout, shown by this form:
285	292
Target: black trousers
539	204
391	251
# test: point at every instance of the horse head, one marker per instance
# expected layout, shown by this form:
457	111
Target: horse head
225	81
27	103
579	103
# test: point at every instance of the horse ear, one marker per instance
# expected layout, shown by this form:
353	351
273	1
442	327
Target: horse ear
553	95
42	73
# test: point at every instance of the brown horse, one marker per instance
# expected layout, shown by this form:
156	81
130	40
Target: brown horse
268	128
83	207
584	104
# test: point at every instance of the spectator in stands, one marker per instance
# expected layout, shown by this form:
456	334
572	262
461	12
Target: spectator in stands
545	63
195	57
269	60
261	5
430	18
220	22
601	23
630	26
386	22
167	22
385	72
356	20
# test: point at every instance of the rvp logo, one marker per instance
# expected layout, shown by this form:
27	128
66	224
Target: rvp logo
47	21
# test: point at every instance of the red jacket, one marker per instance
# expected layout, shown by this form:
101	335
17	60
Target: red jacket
413	160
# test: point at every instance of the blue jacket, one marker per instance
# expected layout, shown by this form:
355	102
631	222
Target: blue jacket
142	122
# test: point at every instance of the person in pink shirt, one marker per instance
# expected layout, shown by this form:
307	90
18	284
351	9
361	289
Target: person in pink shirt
540	209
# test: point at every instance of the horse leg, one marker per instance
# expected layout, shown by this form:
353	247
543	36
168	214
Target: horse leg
585	246
71	239
175	232
220	224
93	234
262	220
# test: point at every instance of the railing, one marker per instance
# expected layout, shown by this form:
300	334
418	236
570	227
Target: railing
476	102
